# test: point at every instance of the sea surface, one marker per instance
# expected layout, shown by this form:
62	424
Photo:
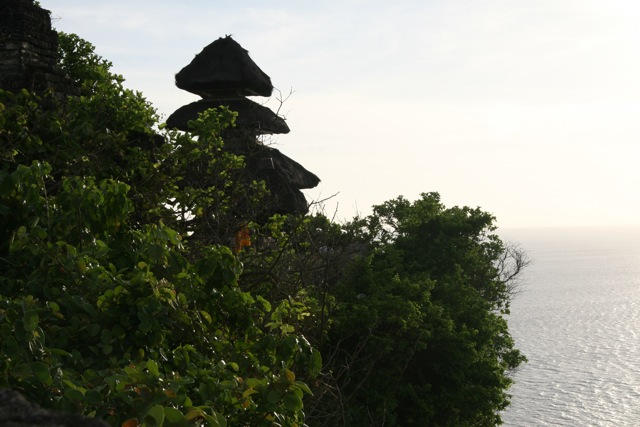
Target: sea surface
577	319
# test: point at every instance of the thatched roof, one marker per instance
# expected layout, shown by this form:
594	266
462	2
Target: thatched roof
288	169
251	115
286	199
284	178
224	68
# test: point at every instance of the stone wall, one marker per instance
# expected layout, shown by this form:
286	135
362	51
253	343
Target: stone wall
29	49
16	411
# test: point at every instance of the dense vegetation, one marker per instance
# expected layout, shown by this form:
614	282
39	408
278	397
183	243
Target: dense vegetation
125	295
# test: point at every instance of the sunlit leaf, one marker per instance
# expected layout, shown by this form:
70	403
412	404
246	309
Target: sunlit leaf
302	386
152	366
290	375
206	316
193	414
248	392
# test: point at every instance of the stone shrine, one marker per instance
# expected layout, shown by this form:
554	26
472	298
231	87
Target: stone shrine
29	50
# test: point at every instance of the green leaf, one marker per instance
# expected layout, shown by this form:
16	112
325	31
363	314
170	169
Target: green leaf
291	376
152	366
248	392
59	352
253	382
105	336
292	402
41	372
194	414
107	349
287	329
274	397
305	388
22	371
30	320
316	362
215	420
81	265
155	416
206	316
174	418
53	306
266	305
173	236
93	329
74	394
228	384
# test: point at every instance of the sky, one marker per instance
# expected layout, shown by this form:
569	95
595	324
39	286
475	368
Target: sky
526	109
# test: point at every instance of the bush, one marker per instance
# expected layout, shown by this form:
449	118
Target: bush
105	309
121	297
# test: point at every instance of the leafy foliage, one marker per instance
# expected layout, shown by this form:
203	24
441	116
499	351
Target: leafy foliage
122	295
417	334
104	308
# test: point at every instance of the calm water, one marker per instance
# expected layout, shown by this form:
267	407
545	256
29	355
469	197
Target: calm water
577	320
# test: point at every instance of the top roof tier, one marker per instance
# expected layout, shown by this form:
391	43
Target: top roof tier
222	69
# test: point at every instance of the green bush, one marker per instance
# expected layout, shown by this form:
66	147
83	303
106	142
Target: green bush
121	299
416	333
105	309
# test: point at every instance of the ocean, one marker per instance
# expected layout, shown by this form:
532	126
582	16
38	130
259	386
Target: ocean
577	319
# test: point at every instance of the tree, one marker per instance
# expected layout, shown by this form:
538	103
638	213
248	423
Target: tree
123	297
417	334
111	304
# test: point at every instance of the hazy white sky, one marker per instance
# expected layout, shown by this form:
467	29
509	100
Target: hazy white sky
528	109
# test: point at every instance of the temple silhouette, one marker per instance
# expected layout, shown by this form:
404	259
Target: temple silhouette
223	74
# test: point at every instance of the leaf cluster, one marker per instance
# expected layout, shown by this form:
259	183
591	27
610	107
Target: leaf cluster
125	296
417	333
117	299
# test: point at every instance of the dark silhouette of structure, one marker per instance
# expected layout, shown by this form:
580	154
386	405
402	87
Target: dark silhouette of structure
29	50
223	74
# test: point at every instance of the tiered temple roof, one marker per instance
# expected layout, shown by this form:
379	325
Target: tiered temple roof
223	74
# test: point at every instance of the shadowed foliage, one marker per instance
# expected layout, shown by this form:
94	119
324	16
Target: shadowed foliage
145	279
